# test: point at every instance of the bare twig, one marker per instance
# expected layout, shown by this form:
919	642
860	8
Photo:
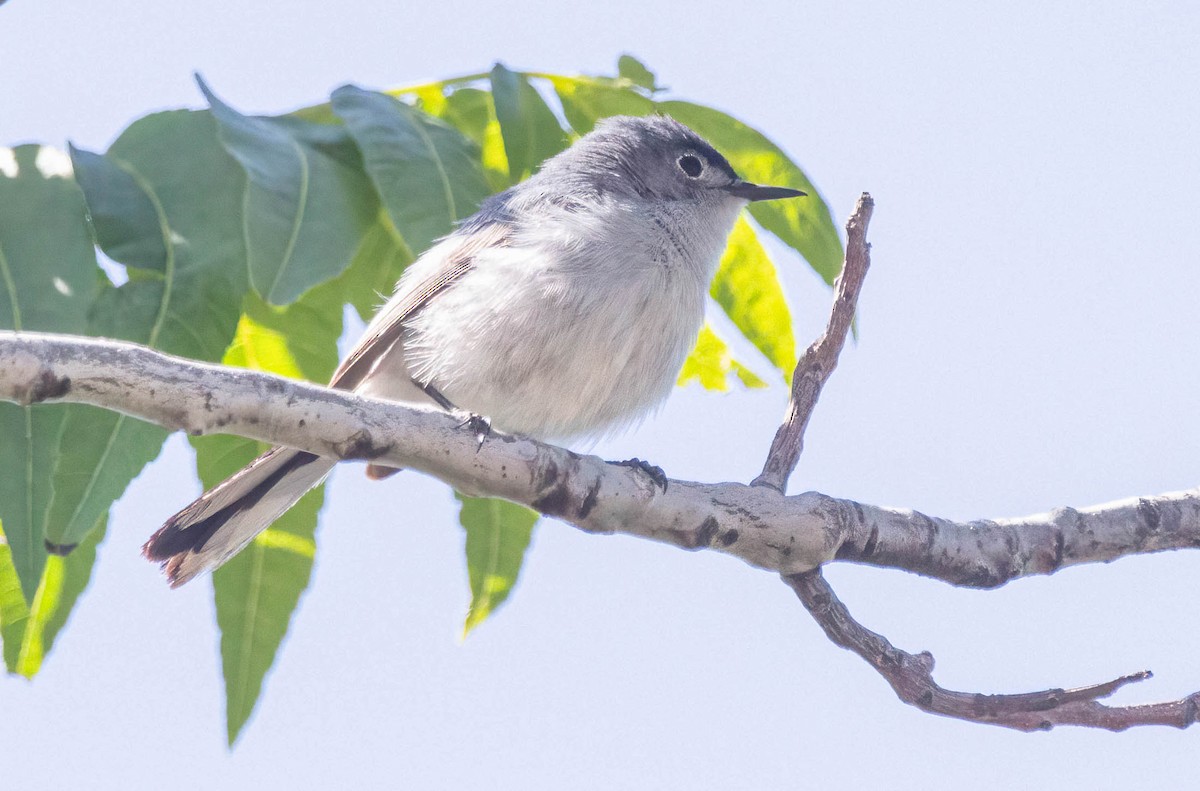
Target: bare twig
819	359
911	676
865	540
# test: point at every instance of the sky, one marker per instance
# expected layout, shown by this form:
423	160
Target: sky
1029	338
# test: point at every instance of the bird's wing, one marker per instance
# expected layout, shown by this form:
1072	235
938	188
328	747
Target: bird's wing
413	294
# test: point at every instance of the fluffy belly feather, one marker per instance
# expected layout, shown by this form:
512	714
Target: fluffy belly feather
565	354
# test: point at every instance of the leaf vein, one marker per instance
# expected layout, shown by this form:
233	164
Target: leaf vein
298	218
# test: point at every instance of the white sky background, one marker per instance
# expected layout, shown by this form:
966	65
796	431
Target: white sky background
1028	338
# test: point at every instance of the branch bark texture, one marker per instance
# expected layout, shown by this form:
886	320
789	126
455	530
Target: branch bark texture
786	534
818	361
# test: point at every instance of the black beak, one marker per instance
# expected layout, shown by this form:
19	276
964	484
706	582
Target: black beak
753	192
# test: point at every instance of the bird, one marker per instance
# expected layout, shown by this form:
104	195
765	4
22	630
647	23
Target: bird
562	309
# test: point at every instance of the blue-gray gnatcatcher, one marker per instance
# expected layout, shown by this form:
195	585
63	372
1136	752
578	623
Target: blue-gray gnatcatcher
563	308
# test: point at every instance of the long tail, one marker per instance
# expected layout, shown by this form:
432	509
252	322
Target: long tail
223	520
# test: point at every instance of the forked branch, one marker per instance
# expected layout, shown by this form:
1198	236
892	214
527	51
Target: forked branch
911	675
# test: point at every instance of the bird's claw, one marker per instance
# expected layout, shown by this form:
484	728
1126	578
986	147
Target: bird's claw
480	425
654	473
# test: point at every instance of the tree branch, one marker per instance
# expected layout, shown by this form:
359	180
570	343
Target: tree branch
1005	551
911	676
792	535
819	359
788	534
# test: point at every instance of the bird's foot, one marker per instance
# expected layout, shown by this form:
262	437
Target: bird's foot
480	425
654	473
477	423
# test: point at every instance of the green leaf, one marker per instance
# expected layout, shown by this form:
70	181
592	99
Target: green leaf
498	533
299	341
472	112
101	452
257	590
585	100
126	221
378	264
317	114
531	132
14	609
427	173
306	208
632	69
185	301
72	581
747	288
29	632
469	110
30	437
710	363
803	223
48	278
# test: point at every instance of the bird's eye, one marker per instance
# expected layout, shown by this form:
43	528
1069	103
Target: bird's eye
691	165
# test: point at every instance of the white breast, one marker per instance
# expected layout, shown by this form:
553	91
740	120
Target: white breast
580	326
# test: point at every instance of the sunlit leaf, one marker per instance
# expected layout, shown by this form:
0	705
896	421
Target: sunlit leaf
472	112
711	364
14	609
29	631
299	341
75	575
469	110
498	533
747	288
585	100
